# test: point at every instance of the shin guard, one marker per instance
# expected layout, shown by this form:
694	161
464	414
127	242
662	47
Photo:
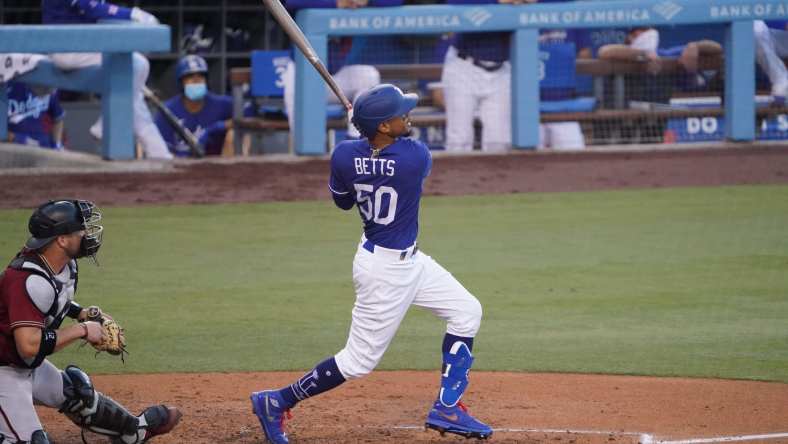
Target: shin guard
457	363
92	410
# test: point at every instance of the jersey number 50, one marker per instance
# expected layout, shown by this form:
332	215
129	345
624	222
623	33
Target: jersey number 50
370	208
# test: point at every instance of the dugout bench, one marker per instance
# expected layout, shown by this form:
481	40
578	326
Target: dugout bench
112	80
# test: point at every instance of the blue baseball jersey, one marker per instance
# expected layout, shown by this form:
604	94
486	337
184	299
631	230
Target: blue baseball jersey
386	190
777	24
216	108
28	113
486	46
81	11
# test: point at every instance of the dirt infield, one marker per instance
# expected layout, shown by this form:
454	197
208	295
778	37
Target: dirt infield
260	181
390	407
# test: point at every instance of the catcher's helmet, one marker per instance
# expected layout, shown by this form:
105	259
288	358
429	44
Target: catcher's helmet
60	217
380	104
191	64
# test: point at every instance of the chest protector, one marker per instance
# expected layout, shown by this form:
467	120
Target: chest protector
64	291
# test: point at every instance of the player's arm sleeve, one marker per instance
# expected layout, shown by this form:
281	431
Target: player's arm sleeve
216	131
55	110
97	11
342	196
27	298
646	41
582	40
427	156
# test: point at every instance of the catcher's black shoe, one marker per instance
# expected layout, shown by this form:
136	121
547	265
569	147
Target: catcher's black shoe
161	420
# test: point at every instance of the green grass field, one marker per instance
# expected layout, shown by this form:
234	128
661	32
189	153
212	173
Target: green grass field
659	282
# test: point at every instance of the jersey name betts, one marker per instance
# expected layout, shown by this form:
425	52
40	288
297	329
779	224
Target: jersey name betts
387	189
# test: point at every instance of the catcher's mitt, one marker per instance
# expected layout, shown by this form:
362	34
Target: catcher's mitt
113	340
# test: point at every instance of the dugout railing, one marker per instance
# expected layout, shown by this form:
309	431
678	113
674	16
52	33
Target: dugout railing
113	80
609	89
524	21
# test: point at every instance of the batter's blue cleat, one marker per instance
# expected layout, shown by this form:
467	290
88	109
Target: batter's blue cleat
456	420
268	406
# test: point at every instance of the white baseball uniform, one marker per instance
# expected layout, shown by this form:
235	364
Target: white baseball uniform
770	46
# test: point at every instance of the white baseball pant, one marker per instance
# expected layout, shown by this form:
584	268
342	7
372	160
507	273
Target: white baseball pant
386	286
561	136
770	46
19	389
467	89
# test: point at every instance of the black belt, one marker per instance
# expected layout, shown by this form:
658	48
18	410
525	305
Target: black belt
486	65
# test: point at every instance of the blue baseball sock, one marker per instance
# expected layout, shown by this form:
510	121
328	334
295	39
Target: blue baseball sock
449	340
322	378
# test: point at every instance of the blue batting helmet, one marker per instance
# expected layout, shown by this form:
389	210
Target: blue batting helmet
380	104
191	64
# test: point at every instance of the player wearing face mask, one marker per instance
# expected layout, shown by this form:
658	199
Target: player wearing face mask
208	116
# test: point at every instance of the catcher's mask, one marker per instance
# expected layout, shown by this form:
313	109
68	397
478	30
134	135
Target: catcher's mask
61	217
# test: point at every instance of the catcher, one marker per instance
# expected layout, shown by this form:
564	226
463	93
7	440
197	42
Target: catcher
36	295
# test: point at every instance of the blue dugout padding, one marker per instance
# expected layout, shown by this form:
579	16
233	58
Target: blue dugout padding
268	68
113	80
524	21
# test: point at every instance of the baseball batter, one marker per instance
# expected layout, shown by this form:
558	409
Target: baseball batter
382	175
36	295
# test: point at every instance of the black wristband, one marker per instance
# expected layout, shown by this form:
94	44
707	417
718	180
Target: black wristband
74	310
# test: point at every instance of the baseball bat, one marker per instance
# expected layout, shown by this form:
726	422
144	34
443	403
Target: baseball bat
299	39
182	131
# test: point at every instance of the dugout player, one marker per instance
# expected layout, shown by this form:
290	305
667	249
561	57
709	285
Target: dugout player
35	117
771	45
36	295
208	116
383	175
477	77
68	12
